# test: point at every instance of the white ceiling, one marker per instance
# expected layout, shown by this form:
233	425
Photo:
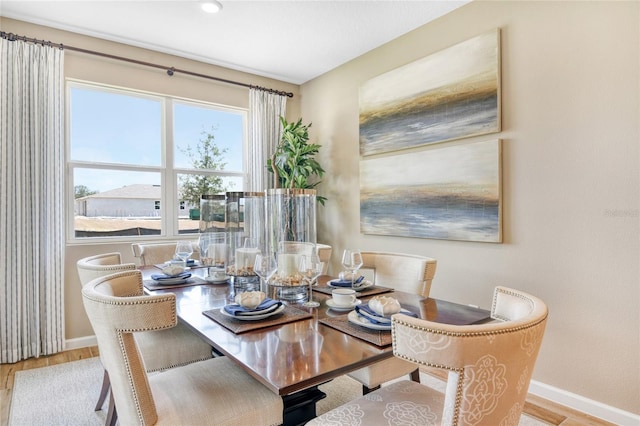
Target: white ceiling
292	41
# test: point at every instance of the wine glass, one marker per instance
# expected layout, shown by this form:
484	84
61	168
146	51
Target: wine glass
352	260
184	250
265	266
310	267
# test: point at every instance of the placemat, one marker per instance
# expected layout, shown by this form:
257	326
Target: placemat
153	285
377	337
376	289
289	314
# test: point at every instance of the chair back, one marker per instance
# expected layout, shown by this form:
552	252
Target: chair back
116	307
92	267
406	272
324	253
155	253
490	365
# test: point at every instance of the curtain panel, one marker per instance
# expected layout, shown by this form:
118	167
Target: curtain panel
32	194
265	110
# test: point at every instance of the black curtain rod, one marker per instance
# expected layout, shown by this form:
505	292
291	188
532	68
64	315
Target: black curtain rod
170	70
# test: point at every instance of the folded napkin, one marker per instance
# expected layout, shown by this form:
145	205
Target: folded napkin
346	283
267	305
366	312
160	277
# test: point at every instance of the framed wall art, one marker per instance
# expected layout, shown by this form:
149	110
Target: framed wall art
451	94
450	191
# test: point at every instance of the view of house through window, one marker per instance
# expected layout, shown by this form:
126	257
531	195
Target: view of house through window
139	163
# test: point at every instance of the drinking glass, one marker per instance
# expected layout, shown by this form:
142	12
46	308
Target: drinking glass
184	250
265	266
352	261
310	267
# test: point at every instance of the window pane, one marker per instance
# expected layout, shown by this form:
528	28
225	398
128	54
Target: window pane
113	203
107	127
207	138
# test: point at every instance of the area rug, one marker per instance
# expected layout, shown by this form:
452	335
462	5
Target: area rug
66	394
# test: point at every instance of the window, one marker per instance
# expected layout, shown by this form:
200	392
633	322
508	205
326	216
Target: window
129	153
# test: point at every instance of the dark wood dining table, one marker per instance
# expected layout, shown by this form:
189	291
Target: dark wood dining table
293	358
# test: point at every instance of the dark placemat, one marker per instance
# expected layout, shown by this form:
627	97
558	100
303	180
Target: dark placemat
153	285
376	289
377	337
289	314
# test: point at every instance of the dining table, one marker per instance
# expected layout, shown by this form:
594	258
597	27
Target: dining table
300	348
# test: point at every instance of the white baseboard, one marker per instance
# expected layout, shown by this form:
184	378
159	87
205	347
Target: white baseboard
556	395
80	342
584	405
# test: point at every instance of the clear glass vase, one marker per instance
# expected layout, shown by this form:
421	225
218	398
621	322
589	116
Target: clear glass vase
291	233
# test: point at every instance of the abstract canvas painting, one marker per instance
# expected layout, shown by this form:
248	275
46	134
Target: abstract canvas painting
449	191
451	94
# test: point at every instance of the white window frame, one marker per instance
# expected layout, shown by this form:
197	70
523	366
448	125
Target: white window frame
168	173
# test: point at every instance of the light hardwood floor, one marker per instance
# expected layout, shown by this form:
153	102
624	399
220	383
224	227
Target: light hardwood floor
539	408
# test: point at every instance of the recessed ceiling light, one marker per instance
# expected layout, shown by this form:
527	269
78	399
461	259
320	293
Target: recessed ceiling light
211	6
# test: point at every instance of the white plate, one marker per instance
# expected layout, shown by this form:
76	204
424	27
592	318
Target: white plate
363	285
252	317
354	318
216	280
331	304
171	281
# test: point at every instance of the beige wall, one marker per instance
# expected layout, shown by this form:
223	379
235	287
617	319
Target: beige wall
570	110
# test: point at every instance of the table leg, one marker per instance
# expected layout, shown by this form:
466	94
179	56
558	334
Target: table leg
300	407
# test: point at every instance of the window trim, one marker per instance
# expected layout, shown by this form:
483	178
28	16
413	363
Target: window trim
168	173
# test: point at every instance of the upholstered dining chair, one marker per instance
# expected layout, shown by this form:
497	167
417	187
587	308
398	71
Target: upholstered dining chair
213	391
489	369
324	253
188	347
155	253
406	272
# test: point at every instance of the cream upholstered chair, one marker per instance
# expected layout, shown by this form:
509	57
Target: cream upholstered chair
406	272
188	347
214	391
154	253
324	253
489	369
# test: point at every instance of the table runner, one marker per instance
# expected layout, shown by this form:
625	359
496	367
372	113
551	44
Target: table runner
376	289
289	314
153	285
341	323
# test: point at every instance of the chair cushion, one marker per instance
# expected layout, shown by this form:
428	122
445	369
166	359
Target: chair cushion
221	388
400	403
185	346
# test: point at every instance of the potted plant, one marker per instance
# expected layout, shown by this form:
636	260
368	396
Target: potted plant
293	163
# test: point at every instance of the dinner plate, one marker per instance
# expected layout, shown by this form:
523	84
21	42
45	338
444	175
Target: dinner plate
363	285
171	281
354	318
252	317
332	305
217	280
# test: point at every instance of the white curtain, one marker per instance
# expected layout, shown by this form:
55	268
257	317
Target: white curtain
265	110
31	206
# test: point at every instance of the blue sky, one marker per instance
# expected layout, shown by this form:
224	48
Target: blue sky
110	128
